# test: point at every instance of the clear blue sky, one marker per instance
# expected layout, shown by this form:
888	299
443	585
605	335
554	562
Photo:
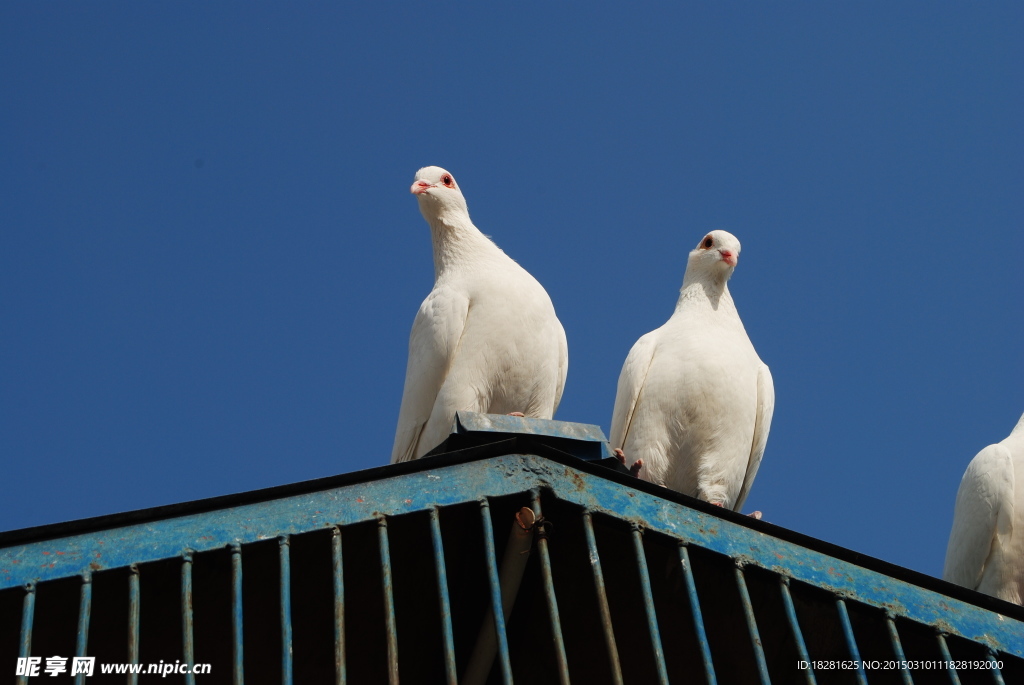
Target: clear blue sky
210	259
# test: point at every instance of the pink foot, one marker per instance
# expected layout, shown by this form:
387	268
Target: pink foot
517	413
634	470
755	514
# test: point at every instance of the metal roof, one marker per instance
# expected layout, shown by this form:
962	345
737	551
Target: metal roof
393	570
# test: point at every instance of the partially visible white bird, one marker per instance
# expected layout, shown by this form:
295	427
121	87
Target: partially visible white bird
486	339
694	401
986	546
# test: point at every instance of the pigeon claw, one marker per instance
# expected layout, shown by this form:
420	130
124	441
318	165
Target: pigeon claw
755	515
634	470
517	413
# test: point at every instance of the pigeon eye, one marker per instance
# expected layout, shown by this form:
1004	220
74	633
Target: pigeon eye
447	181
708	242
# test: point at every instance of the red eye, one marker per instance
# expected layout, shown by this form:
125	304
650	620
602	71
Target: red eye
707	243
448	181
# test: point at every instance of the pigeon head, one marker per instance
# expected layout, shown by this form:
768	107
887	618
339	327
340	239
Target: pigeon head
717	252
709	267
438	193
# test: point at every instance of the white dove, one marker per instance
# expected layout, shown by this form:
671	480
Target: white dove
986	545
694	401
486	339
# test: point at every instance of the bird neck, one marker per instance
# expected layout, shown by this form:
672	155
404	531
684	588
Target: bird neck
704	292
457	242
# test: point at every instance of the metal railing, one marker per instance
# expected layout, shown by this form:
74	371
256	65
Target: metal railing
405	571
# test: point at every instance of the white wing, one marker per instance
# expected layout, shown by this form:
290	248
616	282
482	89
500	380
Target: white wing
631	382
984	512
435	337
563	366
762	424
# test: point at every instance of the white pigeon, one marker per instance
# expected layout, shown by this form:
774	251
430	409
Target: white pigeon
986	545
694	401
486	339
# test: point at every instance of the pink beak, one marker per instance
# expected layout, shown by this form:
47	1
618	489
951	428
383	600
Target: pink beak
728	257
420	187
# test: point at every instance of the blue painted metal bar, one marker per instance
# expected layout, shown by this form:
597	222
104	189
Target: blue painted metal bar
602	600
755	636
897	649
187	632
759	549
133	620
389	600
954	679
698	619
28	611
84	612
284	552
794	627
652	618
238	663
339	607
549	591
492	574
997	676
447	639
499	476
851	641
